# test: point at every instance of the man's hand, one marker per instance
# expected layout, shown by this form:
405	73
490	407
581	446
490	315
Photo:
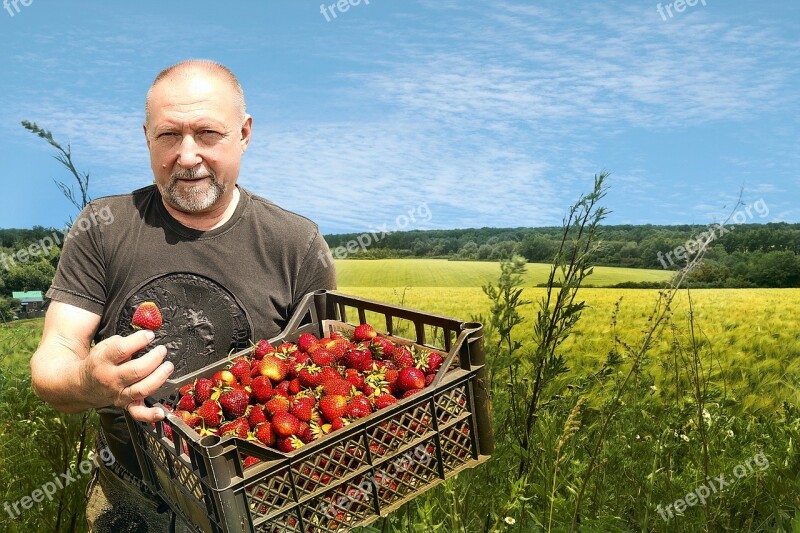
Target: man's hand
73	376
116	379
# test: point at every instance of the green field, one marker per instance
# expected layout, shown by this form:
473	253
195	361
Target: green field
654	451
444	273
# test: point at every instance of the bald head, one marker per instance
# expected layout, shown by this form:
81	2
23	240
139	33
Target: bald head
191	68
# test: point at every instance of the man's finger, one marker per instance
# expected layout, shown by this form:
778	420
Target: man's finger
145	414
141	367
135	392
118	349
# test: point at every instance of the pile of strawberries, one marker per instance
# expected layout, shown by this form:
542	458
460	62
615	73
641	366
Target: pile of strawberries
287	396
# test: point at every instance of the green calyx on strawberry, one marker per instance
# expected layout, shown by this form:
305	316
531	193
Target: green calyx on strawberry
147	316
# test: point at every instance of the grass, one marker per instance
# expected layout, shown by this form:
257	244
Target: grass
444	273
652	454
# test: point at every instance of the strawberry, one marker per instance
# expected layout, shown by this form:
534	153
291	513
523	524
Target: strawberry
234	403
337	423
240	369
410	392
286	349
323	357
264	433
382	348
391	376
186	389
211	413
187	403
285	424
338	386
428	362
239	427
282	389
190	419
333	406
306	341
402	357
262	348
364	332
355	378
384	400
278	404
256	416
295	386
305	433
223	377
301	408
338	347
147	316
429	379
410	378
290	444
202	390
261	389
250	461
310	376
273	367
359	407
359	358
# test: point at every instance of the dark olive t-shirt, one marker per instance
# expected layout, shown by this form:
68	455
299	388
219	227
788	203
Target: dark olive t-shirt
217	290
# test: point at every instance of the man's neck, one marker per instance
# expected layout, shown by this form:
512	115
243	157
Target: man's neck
210	220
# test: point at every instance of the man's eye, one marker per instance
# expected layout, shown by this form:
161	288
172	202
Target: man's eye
167	135
209	136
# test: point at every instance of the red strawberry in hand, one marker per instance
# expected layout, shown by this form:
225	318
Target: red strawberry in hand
147	316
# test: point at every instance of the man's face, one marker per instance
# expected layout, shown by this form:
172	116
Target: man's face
196	137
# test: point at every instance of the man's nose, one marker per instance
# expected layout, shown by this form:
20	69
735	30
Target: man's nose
188	154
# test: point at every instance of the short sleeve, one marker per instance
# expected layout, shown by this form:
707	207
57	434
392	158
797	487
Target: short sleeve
317	270
80	278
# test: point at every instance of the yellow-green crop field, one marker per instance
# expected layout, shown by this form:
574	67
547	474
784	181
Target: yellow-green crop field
444	273
652	453
754	334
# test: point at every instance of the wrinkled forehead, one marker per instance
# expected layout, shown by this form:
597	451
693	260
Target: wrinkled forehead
193	89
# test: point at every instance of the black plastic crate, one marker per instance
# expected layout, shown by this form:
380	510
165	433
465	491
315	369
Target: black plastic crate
349	477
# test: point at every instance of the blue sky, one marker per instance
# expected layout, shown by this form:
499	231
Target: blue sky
494	114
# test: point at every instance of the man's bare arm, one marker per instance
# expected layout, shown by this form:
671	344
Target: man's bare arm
72	376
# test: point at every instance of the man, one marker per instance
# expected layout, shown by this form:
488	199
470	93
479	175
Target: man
223	265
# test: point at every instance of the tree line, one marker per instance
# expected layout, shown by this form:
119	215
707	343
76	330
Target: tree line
751	255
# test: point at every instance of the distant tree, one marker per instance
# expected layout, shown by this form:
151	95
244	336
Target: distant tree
30	276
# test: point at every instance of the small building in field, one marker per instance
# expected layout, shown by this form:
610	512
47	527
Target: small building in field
31	303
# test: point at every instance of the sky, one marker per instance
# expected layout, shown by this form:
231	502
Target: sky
493	114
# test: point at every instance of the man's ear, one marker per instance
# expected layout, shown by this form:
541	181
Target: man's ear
146	137
247	129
